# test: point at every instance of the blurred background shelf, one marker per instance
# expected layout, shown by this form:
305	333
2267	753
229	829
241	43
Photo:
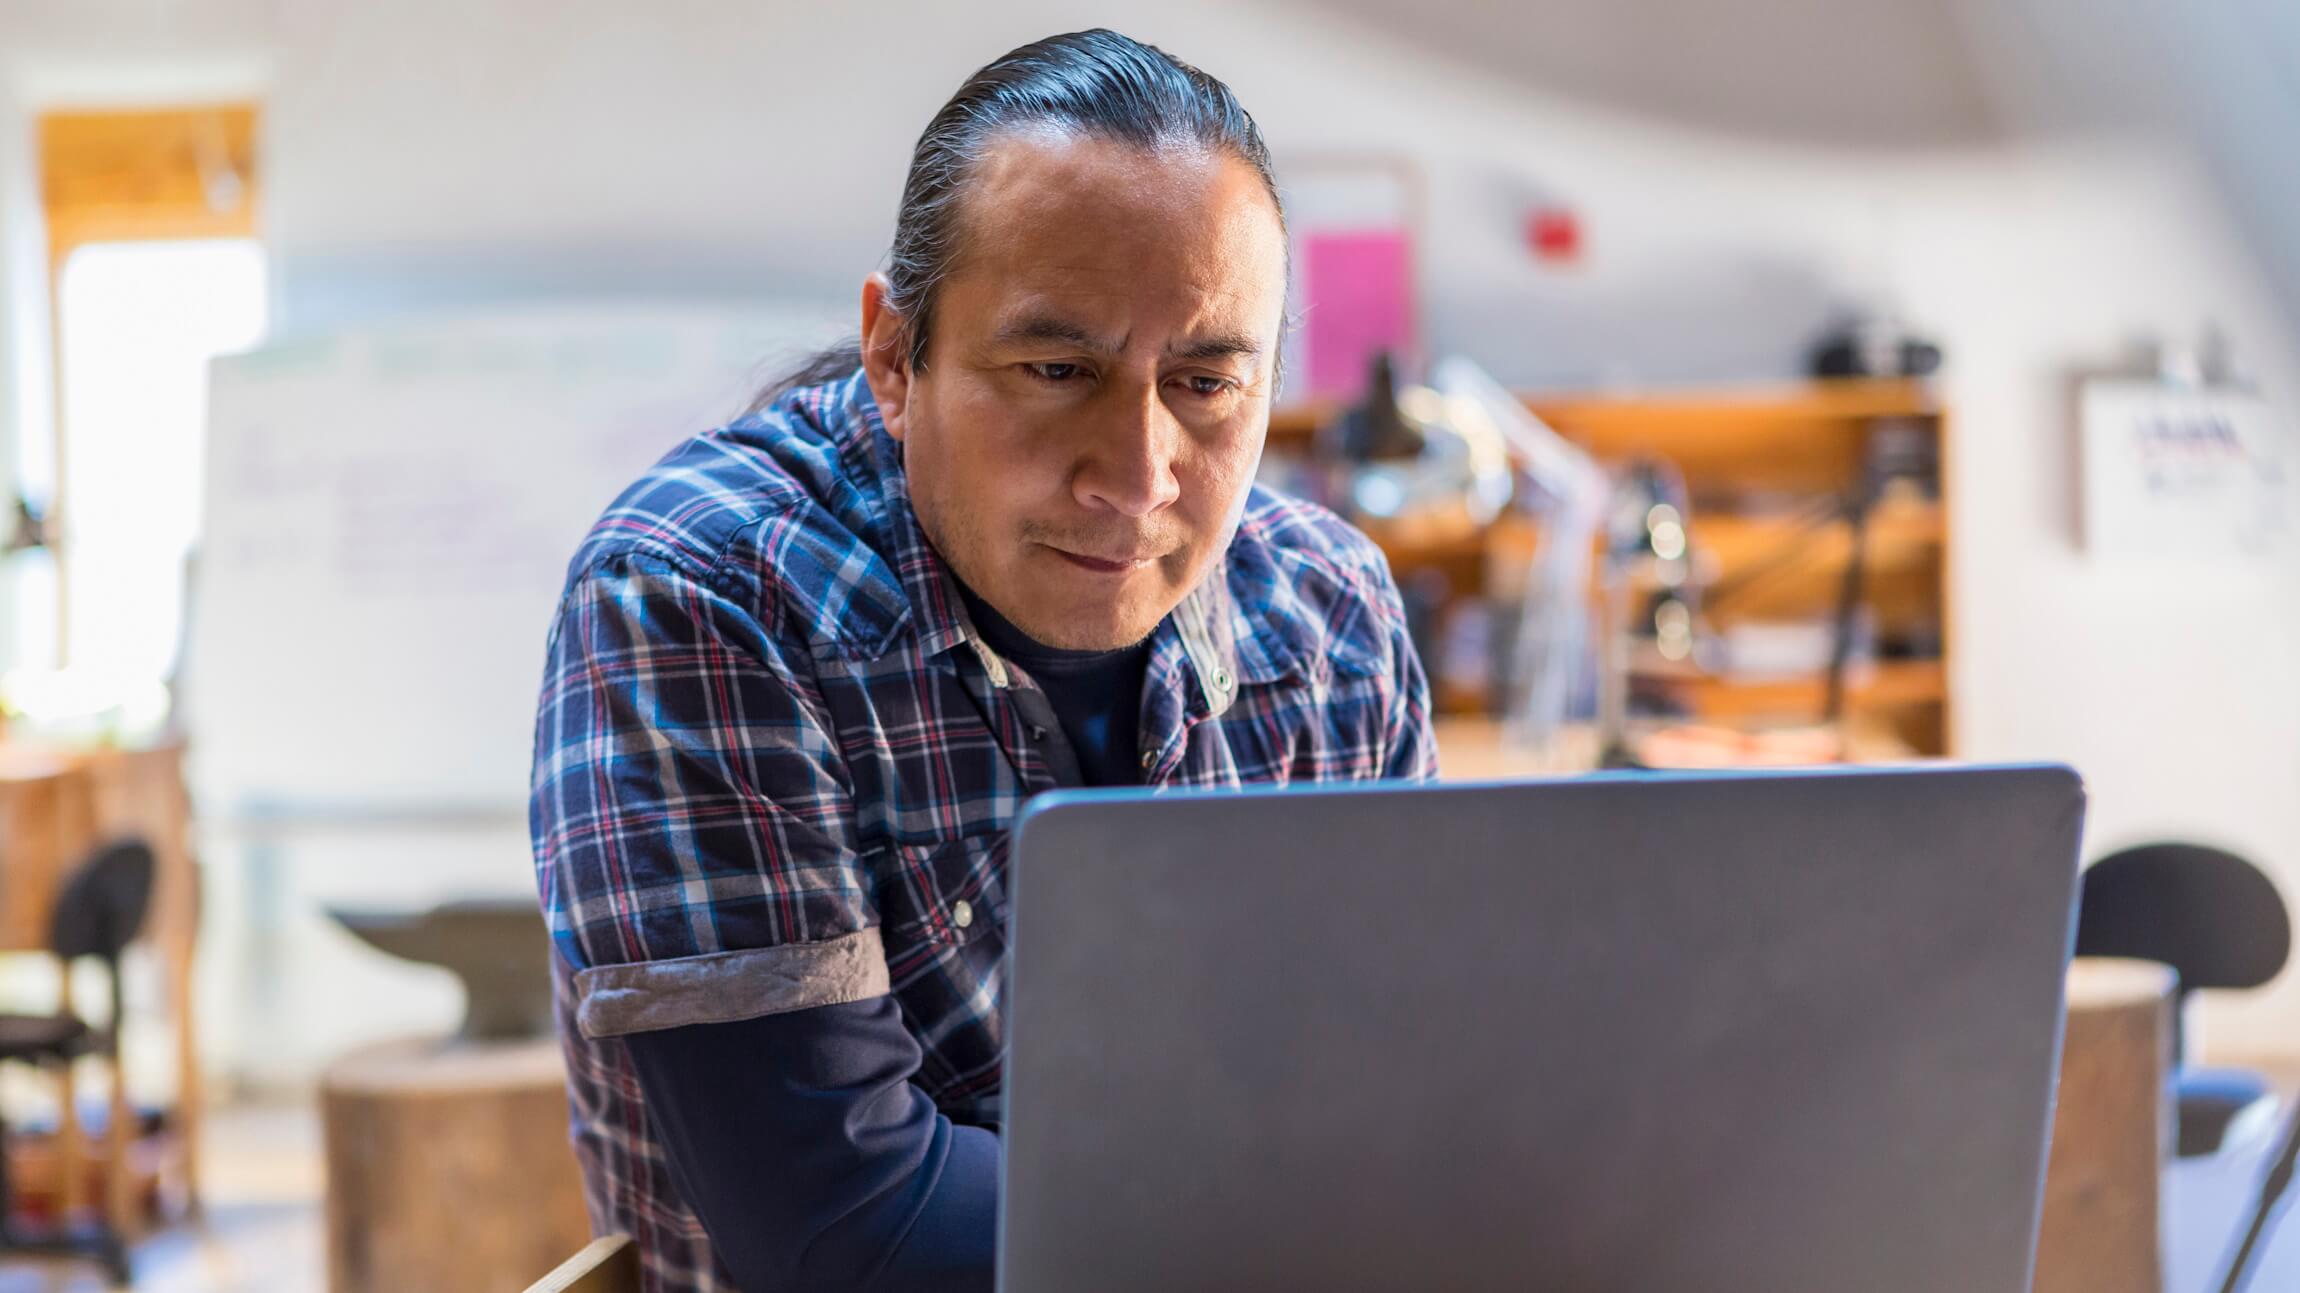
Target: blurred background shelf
1749	422
1771	474
1887	685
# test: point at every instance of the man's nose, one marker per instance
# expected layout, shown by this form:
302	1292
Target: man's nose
1130	467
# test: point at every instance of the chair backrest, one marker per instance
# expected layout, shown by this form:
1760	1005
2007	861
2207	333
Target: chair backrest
606	1265
103	904
2209	914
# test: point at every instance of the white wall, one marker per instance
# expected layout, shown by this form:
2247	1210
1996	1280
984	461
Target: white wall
433	152
2172	686
24	382
2218	77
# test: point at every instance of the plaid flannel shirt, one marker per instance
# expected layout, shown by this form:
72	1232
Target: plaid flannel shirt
775	767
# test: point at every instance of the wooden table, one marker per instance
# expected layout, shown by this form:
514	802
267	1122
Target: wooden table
2111	1133
56	806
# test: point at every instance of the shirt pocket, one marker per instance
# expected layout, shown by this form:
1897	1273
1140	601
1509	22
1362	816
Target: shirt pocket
945	893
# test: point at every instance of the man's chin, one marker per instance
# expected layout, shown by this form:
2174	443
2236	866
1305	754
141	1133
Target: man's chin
1104	628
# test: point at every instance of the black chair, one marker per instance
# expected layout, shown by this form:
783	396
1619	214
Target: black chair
99	913
2218	921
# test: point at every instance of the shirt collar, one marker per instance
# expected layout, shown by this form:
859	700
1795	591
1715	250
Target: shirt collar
936	614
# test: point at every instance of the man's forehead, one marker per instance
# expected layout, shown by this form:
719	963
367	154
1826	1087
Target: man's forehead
1077	226
1204	333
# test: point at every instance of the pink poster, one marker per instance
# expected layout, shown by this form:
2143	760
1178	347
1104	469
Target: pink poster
1359	290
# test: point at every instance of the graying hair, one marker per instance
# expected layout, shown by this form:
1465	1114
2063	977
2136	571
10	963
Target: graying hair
1096	83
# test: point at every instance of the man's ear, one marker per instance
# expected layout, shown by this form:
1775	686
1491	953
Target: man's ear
886	355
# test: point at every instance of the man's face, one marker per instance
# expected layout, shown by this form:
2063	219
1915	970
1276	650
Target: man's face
1096	390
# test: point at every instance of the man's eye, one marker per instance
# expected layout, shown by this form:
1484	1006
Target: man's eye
1053	372
1209	385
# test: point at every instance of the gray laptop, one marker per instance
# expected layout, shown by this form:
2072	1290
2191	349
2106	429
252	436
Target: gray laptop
1794	1033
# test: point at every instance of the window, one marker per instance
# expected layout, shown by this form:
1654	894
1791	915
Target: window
137	324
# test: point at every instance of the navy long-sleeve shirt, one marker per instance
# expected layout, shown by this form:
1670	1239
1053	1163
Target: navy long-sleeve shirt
813	1161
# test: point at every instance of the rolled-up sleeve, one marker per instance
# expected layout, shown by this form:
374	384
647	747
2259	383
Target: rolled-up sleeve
690	806
696	854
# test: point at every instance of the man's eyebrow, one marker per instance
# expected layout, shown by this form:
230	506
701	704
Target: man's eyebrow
1051	327
1047	327
1228	345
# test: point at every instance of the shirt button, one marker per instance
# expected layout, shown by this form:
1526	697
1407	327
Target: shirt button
962	913
1221	680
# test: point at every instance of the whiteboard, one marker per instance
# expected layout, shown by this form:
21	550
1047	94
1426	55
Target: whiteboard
389	516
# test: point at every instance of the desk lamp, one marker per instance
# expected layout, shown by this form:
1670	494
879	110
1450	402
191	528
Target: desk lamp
1569	492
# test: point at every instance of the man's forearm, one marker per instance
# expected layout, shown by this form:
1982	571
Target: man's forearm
813	1161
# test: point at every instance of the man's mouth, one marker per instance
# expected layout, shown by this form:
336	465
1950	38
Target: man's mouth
1102	565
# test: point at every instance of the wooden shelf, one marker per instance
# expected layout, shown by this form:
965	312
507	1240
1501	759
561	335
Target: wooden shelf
1900	533
1903	563
1757	461
1733	412
1719	409
1455	552
1888	684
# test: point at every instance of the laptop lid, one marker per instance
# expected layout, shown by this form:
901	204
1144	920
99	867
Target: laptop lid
1723	1031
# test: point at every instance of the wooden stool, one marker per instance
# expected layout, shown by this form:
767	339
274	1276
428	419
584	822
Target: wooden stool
448	1167
2111	1132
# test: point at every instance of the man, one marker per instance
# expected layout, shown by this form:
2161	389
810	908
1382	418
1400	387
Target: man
809	668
